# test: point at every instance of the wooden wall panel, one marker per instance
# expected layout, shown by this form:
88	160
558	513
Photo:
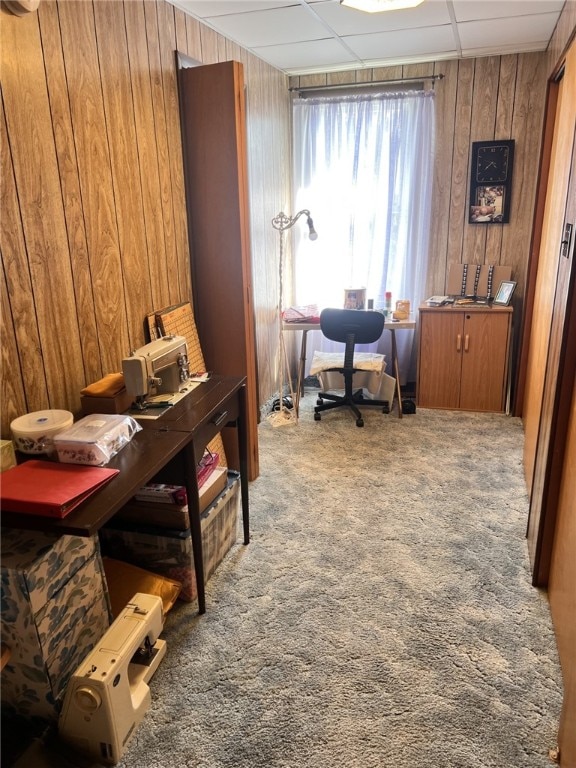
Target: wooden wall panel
460	167
71	194
96	185
148	160
164	200
89	230
441	200
562	37
483	118
527	125
167	37
94	231
39	195
193	42
124	162
23	379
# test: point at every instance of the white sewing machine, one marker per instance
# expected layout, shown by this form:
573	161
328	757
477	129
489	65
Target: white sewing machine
108	695
156	369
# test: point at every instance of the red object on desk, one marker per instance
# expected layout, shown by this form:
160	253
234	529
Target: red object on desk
307	314
50	489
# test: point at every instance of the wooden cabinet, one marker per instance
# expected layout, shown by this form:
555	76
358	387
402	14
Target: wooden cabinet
463	357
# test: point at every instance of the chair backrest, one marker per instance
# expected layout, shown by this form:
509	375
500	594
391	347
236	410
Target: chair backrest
351	325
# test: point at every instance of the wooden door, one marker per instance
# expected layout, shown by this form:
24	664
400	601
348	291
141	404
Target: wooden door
545	282
214	141
484	360
562	592
556	400
440	358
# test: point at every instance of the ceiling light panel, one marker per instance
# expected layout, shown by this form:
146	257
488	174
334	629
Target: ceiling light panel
380	6
346	21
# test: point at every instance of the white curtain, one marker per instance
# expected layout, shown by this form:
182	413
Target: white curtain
363	167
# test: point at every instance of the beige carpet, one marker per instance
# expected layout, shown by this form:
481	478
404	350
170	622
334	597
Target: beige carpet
381	617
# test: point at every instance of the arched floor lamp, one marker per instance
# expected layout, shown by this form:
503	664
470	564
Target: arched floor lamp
283	414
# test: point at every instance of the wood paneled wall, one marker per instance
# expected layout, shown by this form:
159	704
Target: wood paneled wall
93	219
93	232
496	97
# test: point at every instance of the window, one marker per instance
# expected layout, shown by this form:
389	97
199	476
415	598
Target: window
363	167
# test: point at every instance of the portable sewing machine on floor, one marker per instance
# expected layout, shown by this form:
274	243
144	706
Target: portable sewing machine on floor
108	695
157	375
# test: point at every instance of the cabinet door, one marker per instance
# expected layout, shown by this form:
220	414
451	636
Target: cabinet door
440	359
484	361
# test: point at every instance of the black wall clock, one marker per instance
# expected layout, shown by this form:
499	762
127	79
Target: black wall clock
491	181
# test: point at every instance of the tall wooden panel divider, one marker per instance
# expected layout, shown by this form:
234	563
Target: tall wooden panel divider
214	146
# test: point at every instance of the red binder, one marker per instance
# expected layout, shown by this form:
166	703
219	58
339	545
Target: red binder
50	489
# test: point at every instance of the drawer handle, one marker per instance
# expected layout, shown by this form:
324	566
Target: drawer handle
458	343
219	418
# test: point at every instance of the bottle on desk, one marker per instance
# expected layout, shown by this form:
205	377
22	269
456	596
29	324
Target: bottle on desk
388	305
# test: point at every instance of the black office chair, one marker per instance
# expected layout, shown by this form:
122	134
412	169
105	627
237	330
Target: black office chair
350	326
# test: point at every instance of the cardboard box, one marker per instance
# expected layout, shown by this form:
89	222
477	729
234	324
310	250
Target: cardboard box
172	516
55	609
125	580
117	404
169	553
213	487
7	455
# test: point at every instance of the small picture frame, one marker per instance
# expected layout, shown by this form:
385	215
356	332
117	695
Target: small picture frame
355	298
504	294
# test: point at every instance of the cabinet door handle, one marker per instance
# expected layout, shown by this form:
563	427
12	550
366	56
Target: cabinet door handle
458	343
466	342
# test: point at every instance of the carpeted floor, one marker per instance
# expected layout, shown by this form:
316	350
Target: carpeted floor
381	617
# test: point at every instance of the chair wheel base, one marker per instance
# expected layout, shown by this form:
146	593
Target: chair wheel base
359	422
317	417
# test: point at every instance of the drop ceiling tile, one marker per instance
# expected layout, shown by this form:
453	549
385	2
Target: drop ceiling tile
307	55
348	21
509	31
271	27
400	44
502	50
465	10
206	8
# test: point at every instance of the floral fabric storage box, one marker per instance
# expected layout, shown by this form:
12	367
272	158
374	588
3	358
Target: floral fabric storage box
55	608
169	552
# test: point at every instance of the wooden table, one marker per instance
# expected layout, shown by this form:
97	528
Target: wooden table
389	325
171	447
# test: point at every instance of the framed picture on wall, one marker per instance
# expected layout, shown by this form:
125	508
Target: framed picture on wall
504	294
491	181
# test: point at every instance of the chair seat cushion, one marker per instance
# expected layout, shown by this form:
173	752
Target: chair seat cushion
364	361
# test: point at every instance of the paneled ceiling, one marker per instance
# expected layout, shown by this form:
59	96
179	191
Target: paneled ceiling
306	36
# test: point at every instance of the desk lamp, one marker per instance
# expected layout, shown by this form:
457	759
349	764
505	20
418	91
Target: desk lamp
285	415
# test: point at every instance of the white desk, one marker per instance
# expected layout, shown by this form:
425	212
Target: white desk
389	325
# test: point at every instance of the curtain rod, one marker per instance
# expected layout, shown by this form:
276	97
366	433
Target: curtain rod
307	88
